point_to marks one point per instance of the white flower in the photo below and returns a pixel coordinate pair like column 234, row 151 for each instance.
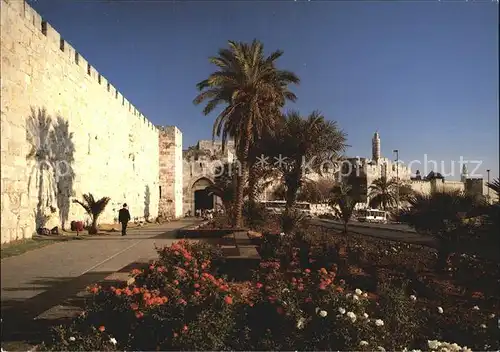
column 351, row 316
column 355, row 298
column 285, row 290
column 379, row 322
column 440, row 310
column 433, row 344
column 365, row 294
column 282, row 234
column 381, row 349
column 317, row 310
column 413, row 297
column 492, row 315
column 348, row 295
column 113, row 340
column 341, row 310
column 72, row 338
column 300, row 323
column 475, row 308
column 358, row 292
column 323, row 313
column 482, row 326
column 365, row 315
column 363, row 343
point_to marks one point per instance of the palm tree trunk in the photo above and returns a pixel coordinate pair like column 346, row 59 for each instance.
column 242, row 175
column 252, row 184
column 293, row 182
column 93, row 227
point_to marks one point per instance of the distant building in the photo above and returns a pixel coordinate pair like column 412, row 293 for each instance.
column 201, row 160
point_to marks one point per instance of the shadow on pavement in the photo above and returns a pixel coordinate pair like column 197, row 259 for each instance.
column 58, row 304
column 18, row 316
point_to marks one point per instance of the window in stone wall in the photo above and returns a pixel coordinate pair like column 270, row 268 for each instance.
column 160, row 192
column 77, row 58
column 44, row 27
column 88, row 69
column 61, row 44
column 116, row 94
column 99, row 78
column 109, row 87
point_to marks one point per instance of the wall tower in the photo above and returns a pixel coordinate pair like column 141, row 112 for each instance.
column 376, row 147
column 465, row 174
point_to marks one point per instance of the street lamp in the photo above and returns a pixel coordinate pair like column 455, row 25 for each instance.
column 488, row 194
column 397, row 176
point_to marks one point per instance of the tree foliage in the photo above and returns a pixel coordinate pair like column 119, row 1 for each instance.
column 343, row 201
column 306, row 145
column 252, row 91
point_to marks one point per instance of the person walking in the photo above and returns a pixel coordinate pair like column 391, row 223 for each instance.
column 124, row 218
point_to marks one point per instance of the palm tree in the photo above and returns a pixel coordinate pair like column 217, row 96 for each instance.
column 495, row 187
column 252, row 91
column 443, row 215
column 383, row 192
column 343, row 201
column 304, row 145
column 94, row 208
column 224, row 187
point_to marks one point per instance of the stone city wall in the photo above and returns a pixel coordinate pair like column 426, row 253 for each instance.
column 58, row 111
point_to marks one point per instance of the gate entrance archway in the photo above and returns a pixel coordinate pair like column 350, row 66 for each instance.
column 201, row 199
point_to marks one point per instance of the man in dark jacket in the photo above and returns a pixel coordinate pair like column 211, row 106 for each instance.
column 124, row 218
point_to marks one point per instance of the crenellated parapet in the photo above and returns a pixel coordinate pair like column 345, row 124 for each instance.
column 50, row 38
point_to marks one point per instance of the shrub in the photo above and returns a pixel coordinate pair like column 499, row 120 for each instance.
column 255, row 215
column 291, row 219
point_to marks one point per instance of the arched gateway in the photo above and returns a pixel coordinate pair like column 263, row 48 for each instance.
column 201, row 198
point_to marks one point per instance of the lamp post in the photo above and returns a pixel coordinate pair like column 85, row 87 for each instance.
column 397, row 176
column 488, row 194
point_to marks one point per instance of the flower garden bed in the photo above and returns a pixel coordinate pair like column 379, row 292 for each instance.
column 305, row 294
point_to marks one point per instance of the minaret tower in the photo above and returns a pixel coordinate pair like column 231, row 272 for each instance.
column 376, row 147
column 465, row 174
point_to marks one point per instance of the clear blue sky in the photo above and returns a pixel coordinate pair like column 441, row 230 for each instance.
column 422, row 73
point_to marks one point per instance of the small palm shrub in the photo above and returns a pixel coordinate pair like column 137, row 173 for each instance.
column 291, row 219
column 94, row 208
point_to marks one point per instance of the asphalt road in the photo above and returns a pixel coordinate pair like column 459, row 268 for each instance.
column 393, row 232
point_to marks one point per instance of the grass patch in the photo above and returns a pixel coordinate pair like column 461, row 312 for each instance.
column 19, row 247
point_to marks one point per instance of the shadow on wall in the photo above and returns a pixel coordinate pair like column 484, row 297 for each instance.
column 52, row 150
column 147, row 202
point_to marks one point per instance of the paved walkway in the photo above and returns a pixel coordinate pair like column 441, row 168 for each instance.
column 36, row 281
